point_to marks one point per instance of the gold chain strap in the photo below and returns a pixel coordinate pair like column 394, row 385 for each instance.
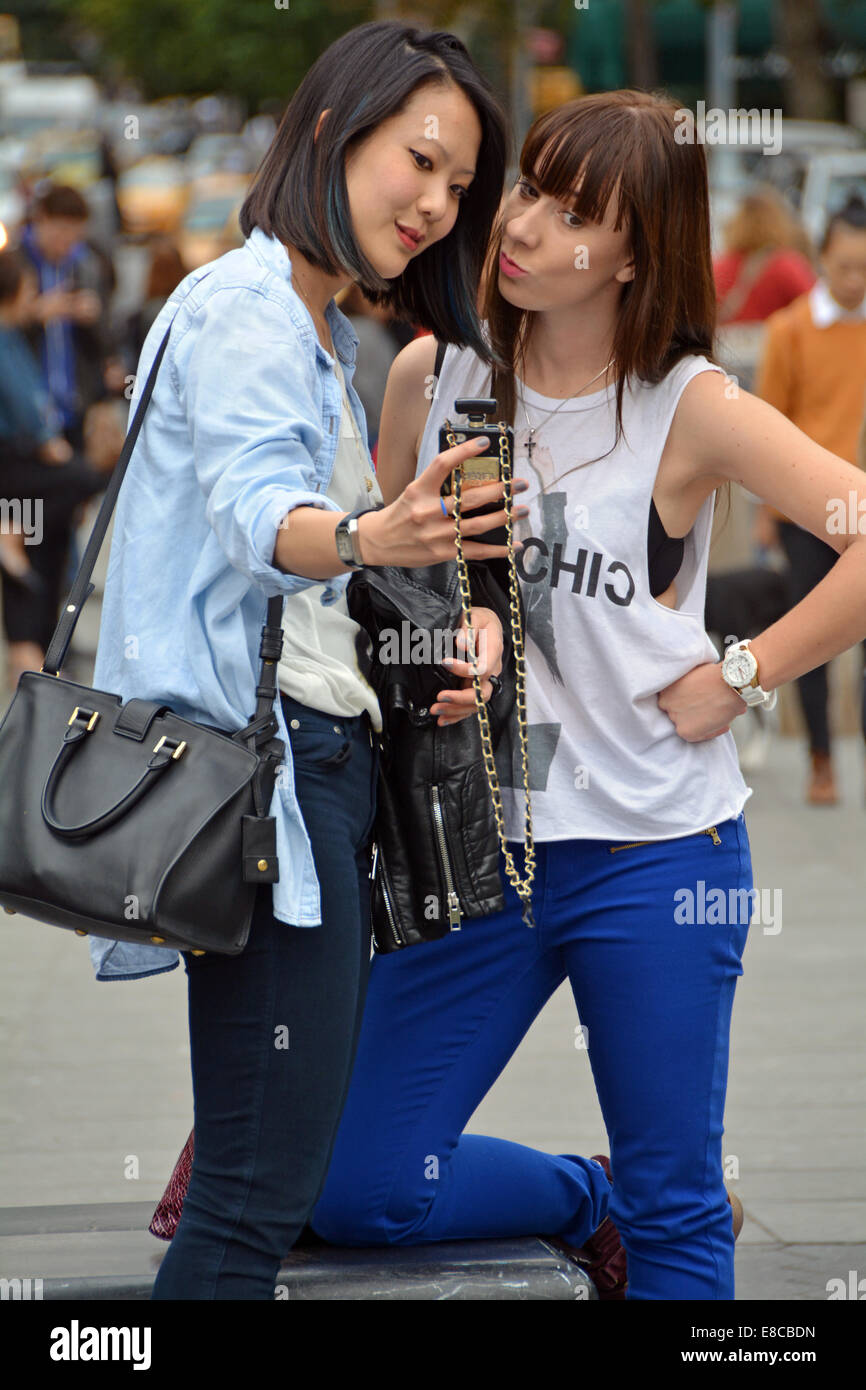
column 523, row 888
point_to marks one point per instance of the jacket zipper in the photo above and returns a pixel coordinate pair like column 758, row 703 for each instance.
column 399, row 940
column 711, row 830
column 451, row 896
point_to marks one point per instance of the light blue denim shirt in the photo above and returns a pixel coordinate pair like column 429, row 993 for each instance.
column 242, row 426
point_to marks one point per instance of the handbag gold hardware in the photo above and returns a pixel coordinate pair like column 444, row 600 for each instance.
column 177, row 752
column 523, row 887
column 199, row 953
column 79, row 931
column 158, row 940
column 262, row 864
column 91, row 721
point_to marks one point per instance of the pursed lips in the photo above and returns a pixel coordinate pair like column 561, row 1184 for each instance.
column 416, row 236
column 513, row 262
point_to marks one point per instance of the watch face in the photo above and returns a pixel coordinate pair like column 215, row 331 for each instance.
column 344, row 545
column 740, row 667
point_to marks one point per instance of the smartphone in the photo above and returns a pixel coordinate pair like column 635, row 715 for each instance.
column 483, row 469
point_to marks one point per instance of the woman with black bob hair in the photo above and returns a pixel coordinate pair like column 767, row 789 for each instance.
column 300, row 193
column 251, row 455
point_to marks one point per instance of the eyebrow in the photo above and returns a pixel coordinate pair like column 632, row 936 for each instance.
column 445, row 155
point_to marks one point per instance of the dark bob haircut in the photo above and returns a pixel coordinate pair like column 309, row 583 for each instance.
column 299, row 192
column 852, row 215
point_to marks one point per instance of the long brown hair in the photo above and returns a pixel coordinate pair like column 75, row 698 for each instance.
column 764, row 219
column 627, row 145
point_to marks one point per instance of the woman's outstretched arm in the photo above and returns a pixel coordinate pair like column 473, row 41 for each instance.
column 747, row 441
column 742, row 439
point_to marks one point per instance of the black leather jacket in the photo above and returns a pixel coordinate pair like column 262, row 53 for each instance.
column 436, row 857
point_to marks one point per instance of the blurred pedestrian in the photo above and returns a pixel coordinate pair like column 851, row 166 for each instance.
column 165, row 272
column 42, row 482
column 69, row 332
column 814, row 371
column 764, row 266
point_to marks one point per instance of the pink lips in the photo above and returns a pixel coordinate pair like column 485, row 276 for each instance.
column 409, row 236
column 510, row 267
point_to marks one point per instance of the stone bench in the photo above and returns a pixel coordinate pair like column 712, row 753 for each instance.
column 105, row 1251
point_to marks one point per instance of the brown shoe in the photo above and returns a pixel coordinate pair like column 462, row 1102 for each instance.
column 736, row 1212
column 822, row 784
column 602, row 1256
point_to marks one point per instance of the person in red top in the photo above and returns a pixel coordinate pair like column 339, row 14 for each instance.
column 763, row 267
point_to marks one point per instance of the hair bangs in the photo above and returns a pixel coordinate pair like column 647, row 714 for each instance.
column 570, row 158
column 622, row 145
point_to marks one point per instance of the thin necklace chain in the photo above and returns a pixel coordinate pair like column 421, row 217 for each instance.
column 534, row 430
column 551, row 413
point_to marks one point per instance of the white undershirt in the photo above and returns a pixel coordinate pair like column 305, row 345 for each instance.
column 319, row 664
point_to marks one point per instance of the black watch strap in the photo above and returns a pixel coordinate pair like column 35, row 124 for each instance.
column 346, row 546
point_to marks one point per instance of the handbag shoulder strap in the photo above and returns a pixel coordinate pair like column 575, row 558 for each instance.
column 81, row 586
column 260, row 726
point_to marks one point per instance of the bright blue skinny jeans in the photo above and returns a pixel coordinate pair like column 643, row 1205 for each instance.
column 654, row 993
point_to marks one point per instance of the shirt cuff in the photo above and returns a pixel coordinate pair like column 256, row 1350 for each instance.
column 276, row 582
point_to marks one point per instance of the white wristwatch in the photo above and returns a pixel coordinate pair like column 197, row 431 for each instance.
column 740, row 672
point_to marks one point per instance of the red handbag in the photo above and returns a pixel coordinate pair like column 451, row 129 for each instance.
column 164, row 1220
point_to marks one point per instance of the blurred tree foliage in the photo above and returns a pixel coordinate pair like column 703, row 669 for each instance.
column 254, row 49
column 42, row 30
column 257, row 50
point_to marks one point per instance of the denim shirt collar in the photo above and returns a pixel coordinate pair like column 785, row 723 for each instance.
column 271, row 253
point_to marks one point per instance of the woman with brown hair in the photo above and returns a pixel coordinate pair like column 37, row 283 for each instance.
column 600, row 299
column 765, row 264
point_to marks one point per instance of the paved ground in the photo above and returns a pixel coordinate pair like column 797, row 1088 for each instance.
column 96, row 1099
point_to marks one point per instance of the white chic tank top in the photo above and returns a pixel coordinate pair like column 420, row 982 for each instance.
column 605, row 761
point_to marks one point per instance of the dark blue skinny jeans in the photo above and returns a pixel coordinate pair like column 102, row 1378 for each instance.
column 273, row 1034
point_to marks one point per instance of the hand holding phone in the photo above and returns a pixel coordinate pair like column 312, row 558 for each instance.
column 486, row 467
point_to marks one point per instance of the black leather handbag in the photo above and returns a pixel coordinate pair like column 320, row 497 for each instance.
column 436, row 859
column 127, row 821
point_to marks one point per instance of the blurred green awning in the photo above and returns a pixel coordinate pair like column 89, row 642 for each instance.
column 596, row 46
